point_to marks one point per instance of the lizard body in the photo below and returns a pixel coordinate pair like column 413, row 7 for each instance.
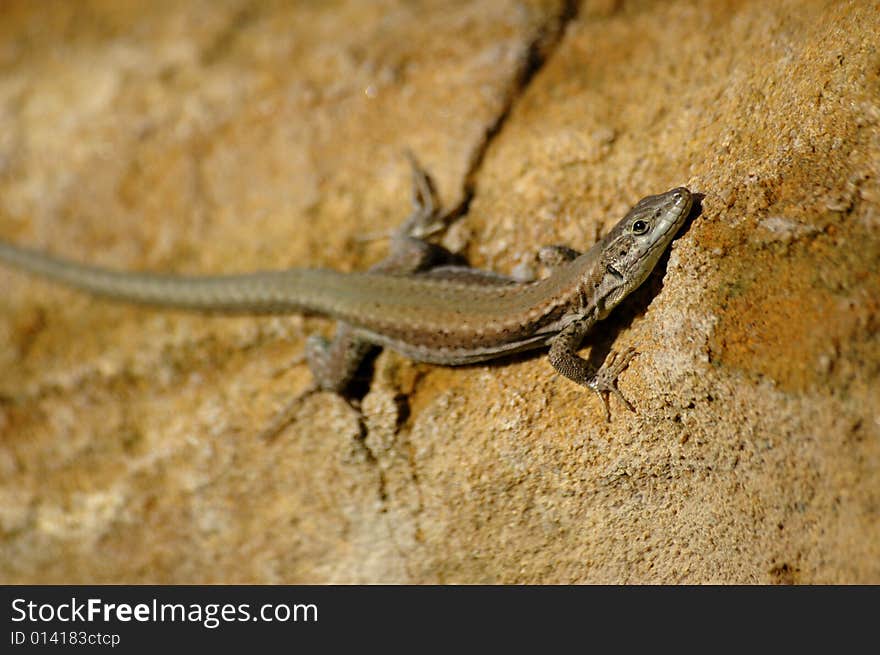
column 443, row 315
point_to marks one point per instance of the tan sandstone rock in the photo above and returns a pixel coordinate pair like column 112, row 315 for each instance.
column 231, row 136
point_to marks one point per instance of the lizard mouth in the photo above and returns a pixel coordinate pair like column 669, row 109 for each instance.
column 681, row 207
column 613, row 271
column 672, row 218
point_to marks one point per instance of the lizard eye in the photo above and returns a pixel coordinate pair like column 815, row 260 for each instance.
column 640, row 227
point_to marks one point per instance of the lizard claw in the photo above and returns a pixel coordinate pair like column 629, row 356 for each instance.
column 604, row 382
column 425, row 219
column 286, row 416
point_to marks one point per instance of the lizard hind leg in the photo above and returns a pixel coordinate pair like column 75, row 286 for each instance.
column 334, row 363
column 426, row 217
column 409, row 251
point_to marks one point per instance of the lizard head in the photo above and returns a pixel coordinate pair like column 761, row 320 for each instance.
column 632, row 248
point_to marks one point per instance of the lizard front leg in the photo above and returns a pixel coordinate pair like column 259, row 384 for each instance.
column 564, row 358
column 550, row 257
column 555, row 256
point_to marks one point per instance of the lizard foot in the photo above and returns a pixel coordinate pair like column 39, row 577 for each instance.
column 604, row 382
column 333, row 365
column 286, row 416
column 426, row 218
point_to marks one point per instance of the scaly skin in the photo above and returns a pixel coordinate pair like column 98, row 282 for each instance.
column 442, row 315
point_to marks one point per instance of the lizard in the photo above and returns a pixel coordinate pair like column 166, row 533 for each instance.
column 430, row 312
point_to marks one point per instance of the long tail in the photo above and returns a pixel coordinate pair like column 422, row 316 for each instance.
column 294, row 290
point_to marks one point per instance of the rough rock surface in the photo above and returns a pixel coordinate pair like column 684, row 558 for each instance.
column 235, row 135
